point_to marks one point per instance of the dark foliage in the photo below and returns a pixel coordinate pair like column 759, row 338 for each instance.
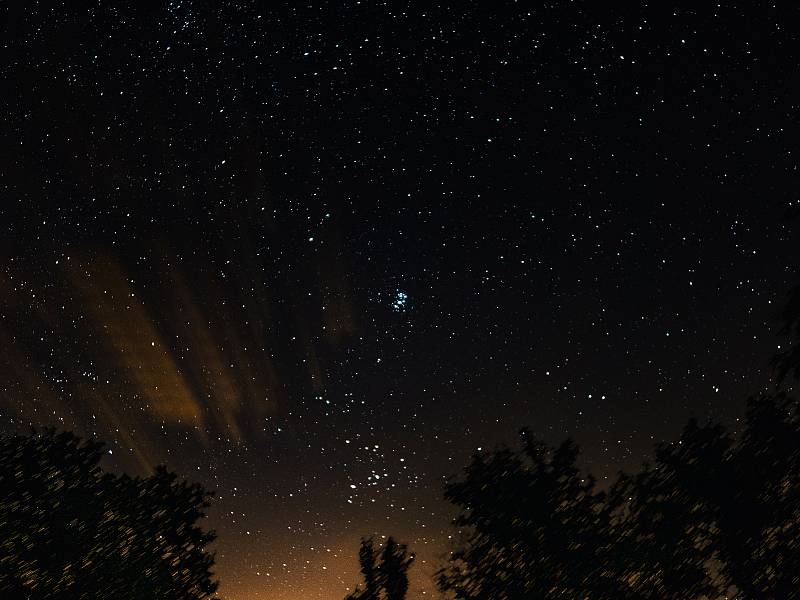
column 759, row 513
column 69, row 530
column 714, row 516
column 535, row 527
column 665, row 518
column 385, row 572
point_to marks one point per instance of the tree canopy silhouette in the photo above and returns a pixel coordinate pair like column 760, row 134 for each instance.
column 385, row 572
column 715, row 515
column 533, row 527
column 665, row 518
column 70, row 530
column 759, row 513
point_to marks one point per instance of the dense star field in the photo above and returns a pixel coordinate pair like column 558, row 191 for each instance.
column 315, row 257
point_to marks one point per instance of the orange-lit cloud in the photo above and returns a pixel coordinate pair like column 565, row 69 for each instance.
column 126, row 331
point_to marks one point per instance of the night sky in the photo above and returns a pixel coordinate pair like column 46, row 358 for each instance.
column 315, row 257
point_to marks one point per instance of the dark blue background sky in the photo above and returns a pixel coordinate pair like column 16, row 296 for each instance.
column 314, row 257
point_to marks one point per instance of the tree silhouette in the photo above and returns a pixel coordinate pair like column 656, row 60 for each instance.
column 69, row 530
column 664, row 519
column 715, row 515
column 385, row 574
column 533, row 528
column 759, row 515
